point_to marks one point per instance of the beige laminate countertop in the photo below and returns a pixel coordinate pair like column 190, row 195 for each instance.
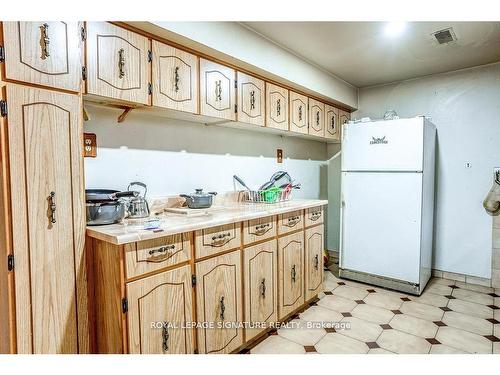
column 132, row 230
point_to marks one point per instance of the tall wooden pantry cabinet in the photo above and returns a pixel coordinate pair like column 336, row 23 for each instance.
column 43, row 294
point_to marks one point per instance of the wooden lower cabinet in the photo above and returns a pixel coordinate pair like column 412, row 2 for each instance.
column 219, row 303
column 159, row 308
column 291, row 273
column 314, row 244
column 260, row 285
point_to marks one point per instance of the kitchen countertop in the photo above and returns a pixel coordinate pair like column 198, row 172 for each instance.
column 171, row 223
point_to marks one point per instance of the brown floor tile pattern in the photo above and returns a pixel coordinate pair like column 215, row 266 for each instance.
column 429, row 310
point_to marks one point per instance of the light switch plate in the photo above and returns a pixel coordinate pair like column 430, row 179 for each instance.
column 89, row 145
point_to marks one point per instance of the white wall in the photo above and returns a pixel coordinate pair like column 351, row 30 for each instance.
column 244, row 47
column 465, row 107
column 174, row 157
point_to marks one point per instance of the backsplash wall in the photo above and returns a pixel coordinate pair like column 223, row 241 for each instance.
column 173, row 156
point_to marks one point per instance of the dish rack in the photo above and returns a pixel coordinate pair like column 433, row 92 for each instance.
column 271, row 195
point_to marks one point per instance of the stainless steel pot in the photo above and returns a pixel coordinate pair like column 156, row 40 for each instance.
column 199, row 199
column 105, row 206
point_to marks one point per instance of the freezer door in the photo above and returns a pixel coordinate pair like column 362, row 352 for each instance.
column 381, row 221
column 395, row 145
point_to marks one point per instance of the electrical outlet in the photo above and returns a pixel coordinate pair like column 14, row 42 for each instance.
column 89, row 145
column 279, row 155
column 468, row 165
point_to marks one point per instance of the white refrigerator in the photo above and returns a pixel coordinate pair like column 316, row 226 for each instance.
column 387, row 203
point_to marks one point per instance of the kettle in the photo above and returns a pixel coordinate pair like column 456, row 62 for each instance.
column 138, row 206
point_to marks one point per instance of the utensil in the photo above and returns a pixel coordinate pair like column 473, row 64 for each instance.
column 199, row 199
column 138, row 206
column 241, row 182
column 277, row 176
column 106, row 206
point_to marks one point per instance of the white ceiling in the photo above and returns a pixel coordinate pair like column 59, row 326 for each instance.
column 362, row 54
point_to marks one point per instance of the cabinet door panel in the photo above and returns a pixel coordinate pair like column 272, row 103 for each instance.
column 316, row 118
column 251, row 98
column 219, row 301
column 332, row 125
column 159, row 308
column 117, row 63
column 45, row 160
column 44, row 53
column 175, row 78
column 344, row 117
column 261, row 285
column 298, row 113
column 217, row 92
column 276, row 107
column 314, row 238
column 291, row 273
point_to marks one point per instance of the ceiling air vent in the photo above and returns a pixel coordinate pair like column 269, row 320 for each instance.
column 445, row 36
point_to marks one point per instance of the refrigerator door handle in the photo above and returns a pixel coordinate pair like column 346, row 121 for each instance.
column 342, row 228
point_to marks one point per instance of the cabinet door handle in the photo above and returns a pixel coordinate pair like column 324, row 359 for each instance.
column 165, row 336
column 45, row 40
column 300, row 113
column 222, row 308
column 316, row 262
column 294, row 273
column 317, row 118
column 218, row 90
column 333, row 122
column 252, row 99
column 52, row 207
column 278, row 107
column 121, row 63
column 176, row 78
column 162, row 249
column 263, row 288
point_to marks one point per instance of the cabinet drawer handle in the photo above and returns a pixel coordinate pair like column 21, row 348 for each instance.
column 263, row 288
column 45, row 40
column 278, row 107
column 121, row 63
column 162, row 249
column 316, row 262
column 300, row 113
column 315, row 215
column 252, row 99
column 218, row 90
column 52, row 207
column 292, row 221
column 165, row 336
column 222, row 308
column 221, row 236
column 294, row 273
column 176, row 79
column 262, row 228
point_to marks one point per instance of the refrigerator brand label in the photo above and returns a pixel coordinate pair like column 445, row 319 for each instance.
column 378, row 141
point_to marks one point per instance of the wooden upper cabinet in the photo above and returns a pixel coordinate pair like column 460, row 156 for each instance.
column 276, row 107
column 159, row 307
column 217, row 91
column 260, row 268
column 219, row 302
column 316, row 118
column 332, row 124
column 117, row 63
column 175, row 78
column 298, row 113
column 251, row 99
column 315, row 243
column 291, row 273
column 344, row 117
column 44, row 53
column 46, row 184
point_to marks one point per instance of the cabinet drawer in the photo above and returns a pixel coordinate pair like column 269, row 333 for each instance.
column 259, row 229
column 314, row 215
column 214, row 240
column 151, row 255
column 290, row 221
